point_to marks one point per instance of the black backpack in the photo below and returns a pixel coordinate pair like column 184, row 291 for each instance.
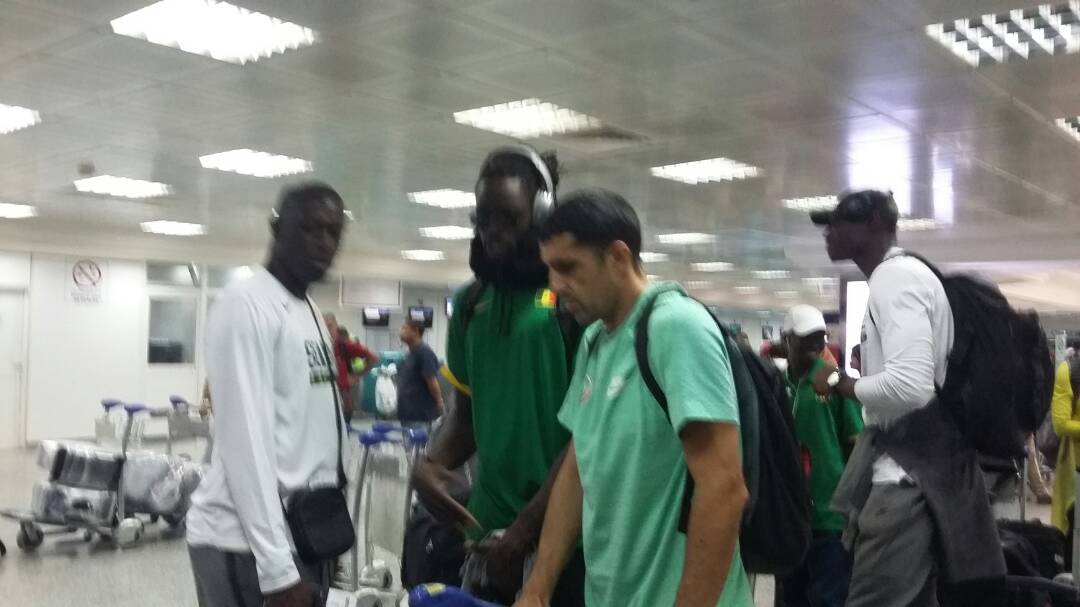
column 1000, row 375
column 775, row 534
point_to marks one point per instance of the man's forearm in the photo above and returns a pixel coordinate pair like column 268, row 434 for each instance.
column 710, row 543
column 561, row 529
column 456, row 443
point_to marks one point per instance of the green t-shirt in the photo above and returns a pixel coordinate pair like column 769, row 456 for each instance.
column 511, row 359
column 630, row 457
column 823, row 425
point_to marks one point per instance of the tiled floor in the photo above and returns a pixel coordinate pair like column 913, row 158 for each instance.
column 155, row 572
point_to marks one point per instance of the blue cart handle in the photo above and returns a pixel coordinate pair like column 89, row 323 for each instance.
column 177, row 401
column 134, row 408
column 109, row 403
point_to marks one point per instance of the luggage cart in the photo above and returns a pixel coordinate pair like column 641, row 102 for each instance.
column 370, row 578
column 185, row 426
column 84, row 489
column 87, row 488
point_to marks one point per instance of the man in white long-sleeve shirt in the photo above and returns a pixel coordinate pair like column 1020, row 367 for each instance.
column 906, row 337
column 269, row 361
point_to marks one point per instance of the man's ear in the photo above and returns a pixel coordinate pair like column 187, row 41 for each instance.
column 621, row 253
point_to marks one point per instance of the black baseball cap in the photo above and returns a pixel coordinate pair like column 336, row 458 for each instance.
column 860, row 207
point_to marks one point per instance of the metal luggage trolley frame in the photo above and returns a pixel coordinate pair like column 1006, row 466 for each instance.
column 183, row 426
column 124, row 530
column 373, row 582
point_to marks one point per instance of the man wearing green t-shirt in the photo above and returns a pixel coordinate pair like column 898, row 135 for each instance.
column 826, row 428
column 509, row 359
column 621, row 486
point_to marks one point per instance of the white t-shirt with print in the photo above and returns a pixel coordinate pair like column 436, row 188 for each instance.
column 271, row 377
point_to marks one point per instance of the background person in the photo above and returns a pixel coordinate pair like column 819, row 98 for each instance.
column 420, row 399
column 826, row 428
column 348, row 355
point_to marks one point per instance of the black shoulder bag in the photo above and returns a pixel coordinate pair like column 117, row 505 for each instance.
column 319, row 518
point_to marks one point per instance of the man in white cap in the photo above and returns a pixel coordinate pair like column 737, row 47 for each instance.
column 826, row 428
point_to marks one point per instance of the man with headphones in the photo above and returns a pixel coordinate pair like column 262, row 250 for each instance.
column 509, row 352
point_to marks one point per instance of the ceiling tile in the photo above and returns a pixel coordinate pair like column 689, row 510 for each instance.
column 553, row 19
column 434, row 39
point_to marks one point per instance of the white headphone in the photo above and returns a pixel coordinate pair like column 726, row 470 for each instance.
column 544, row 201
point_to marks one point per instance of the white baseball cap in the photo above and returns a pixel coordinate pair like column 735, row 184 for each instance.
column 802, row 320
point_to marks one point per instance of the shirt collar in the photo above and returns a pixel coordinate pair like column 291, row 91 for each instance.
column 277, row 290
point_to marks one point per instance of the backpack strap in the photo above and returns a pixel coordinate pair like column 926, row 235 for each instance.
column 641, row 351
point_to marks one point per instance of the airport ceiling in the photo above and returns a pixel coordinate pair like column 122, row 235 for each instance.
column 813, row 96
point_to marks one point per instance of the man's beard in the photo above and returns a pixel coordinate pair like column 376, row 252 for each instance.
column 523, row 269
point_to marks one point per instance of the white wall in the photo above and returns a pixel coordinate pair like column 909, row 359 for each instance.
column 81, row 353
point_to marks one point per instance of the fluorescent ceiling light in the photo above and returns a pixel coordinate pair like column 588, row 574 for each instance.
column 218, row 30
column 772, row 274
column 821, row 281
column 713, row 266
column 702, row 171
column 809, row 204
column 14, row 118
column 526, row 118
column 649, row 257
column 912, row 224
column 686, row 238
column 747, row 290
column 447, row 233
column 10, row 210
column 173, row 228
column 444, row 199
column 697, row 285
column 123, row 187
column 1015, row 34
column 787, row 294
column 348, row 215
column 653, row 277
column 254, row 163
column 423, row 255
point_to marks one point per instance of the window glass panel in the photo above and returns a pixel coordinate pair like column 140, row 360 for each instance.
column 172, row 330
column 176, row 274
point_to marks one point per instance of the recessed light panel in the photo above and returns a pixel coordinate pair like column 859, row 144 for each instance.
column 713, row 266
column 173, row 228
column 10, row 210
column 1018, row 34
column 686, row 238
column 218, row 30
column 698, row 285
column 810, row 204
column 447, row 233
column 772, row 274
column 747, row 290
column 423, row 255
column 527, row 118
column 14, row 118
column 444, row 199
column 255, row 163
column 122, row 187
column 787, row 294
column 650, row 257
column 703, row 171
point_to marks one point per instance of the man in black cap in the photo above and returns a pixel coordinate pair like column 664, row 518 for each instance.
column 902, row 520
